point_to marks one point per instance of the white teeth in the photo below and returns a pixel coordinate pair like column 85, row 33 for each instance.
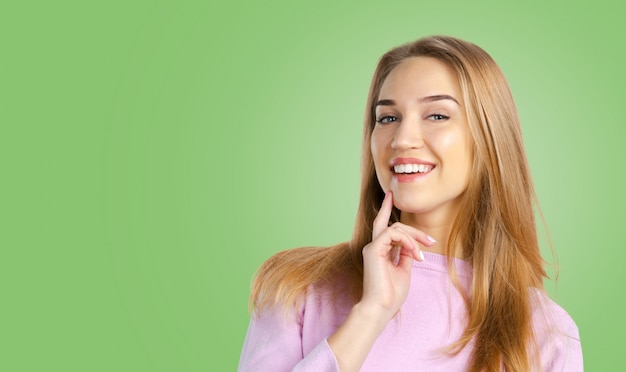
column 412, row 168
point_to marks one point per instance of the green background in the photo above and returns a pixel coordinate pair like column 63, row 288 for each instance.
column 155, row 153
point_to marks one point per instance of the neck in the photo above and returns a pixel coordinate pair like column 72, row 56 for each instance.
column 437, row 226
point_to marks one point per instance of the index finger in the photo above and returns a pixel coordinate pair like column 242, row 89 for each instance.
column 381, row 222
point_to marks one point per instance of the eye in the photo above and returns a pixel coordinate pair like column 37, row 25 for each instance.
column 386, row 119
column 438, row 117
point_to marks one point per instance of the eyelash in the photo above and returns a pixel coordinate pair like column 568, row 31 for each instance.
column 441, row 117
column 386, row 119
column 390, row 118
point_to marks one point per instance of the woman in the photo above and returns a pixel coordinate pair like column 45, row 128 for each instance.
column 444, row 270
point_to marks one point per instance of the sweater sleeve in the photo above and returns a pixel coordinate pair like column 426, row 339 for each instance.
column 275, row 344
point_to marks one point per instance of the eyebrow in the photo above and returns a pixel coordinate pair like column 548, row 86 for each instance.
column 437, row 97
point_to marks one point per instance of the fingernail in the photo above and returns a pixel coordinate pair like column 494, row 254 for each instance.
column 422, row 256
column 431, row 239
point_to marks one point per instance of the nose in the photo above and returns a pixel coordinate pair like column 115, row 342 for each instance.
column 407, row 135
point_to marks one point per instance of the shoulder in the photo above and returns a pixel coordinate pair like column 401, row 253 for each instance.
column 300, row 267
column 289, row 267
column 287, row 277
column 550, row 316
column 556, row 335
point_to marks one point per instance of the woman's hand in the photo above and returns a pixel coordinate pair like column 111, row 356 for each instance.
column 387, row 262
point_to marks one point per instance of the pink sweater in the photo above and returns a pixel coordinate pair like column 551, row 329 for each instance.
column 431, row 318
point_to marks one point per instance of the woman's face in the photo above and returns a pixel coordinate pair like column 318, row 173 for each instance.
column 421, row 143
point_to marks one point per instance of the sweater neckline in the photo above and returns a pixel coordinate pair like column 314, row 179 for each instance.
column 439, row 262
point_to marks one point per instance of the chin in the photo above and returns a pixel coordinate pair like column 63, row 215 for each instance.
column 412, row 206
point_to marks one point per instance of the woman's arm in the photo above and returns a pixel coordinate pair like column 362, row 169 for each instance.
column 276, row 344
column 387, row 262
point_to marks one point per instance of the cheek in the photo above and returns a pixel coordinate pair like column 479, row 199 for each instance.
column 448, row 140
column 456, row 146
column 376, row 145
column 377, row 148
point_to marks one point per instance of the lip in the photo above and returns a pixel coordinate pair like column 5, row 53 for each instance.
column 409, row 177
column 398, row 161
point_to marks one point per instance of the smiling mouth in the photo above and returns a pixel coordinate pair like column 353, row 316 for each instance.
column 411, row 168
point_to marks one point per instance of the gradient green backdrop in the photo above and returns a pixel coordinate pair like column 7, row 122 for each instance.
column 154, row 153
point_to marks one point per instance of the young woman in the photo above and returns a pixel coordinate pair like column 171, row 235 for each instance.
column 444, row 271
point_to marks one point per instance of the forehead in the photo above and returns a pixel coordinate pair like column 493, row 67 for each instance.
column 420, row 77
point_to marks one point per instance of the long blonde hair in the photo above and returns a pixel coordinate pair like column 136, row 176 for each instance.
column 495, row 226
